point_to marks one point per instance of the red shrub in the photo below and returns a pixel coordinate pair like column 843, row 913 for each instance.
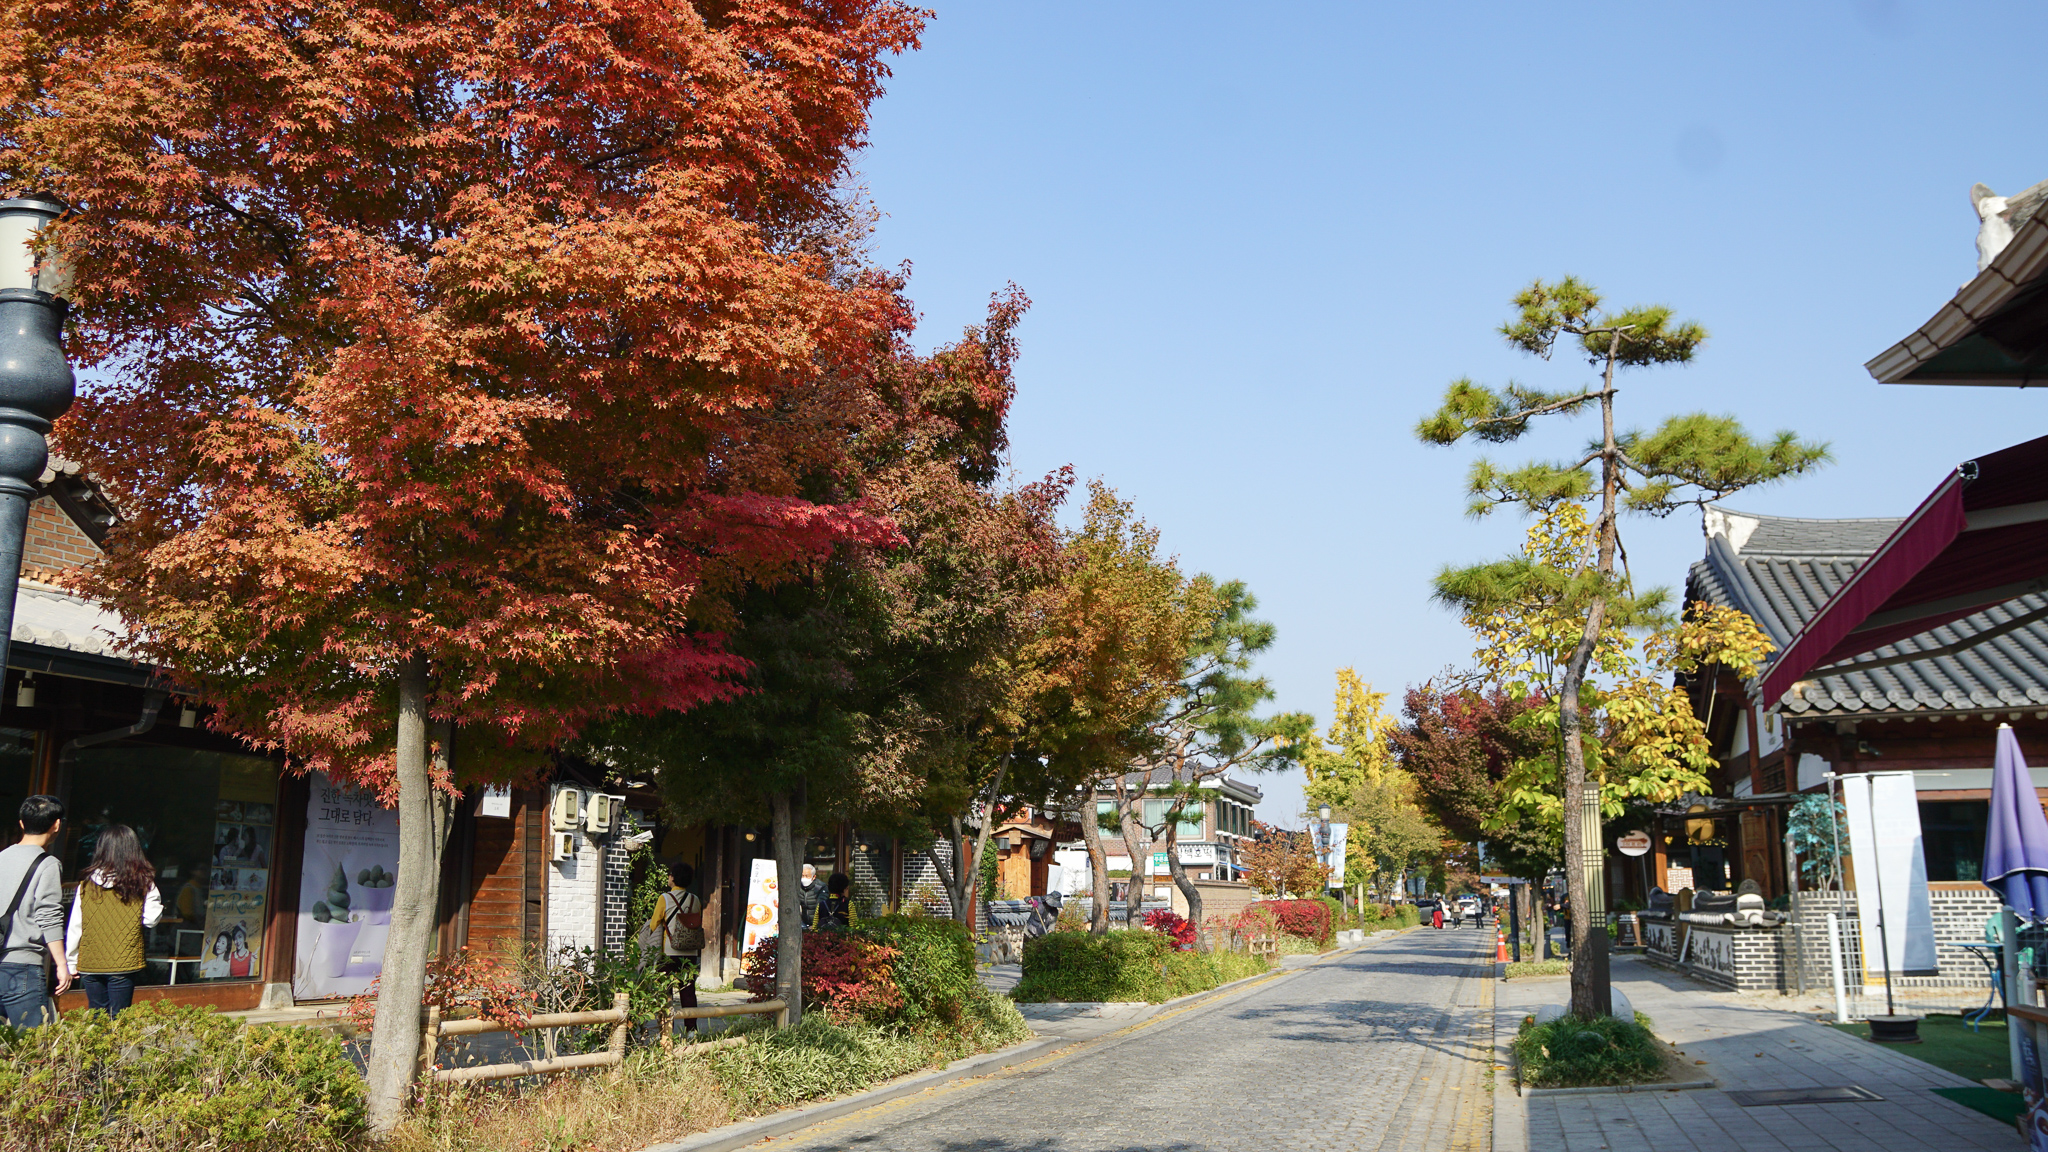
column 1308, row 919
column 465, row 980
column 849, row 977
column 1169, row 923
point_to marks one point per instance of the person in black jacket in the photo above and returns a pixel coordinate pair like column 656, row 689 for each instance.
column 837, row 910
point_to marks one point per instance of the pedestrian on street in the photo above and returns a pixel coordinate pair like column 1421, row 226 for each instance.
column 1436, row 916
column 810, row 896
column 679, row 917
column 33, row 922
column 837, row 911
column 110, row 908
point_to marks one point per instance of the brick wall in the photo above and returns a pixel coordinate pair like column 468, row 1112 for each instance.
column 921, row 880
column 618, row 891
column 54, row 543
column 1748, row 959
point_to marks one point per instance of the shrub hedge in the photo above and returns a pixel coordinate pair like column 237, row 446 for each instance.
column 1308, row 919
column 176, row 1079
column 898, row 969
column 1572, row 1053
column 1123, row 966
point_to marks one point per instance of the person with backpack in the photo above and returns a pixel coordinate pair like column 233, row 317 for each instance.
column 679, row 919
column 837, row 910
column 109, row 909
column 32, row 927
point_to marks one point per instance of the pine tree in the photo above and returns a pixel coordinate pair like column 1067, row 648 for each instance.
column 1688, row 459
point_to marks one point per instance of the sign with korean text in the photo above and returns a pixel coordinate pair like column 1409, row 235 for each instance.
column 1633, row 844
column 346, row 880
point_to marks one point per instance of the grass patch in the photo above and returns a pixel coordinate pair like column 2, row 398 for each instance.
column 1948, row 1042
column 1573, row 1053
column 1525, row 969
column 1286, row 945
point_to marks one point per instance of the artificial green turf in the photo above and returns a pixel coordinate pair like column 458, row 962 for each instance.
column 1949, row 1042
column 2004, row 1107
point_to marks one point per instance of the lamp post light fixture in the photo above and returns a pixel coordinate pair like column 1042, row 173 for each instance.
column 36, row 385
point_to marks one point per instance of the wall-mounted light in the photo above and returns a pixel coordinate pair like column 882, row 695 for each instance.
column 25, row 692
column 188, row 716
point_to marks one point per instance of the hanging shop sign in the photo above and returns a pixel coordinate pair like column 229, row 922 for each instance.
column 1633, row 844
column 1196, row 853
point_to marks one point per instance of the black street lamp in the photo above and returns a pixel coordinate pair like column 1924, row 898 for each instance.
column 36, row 385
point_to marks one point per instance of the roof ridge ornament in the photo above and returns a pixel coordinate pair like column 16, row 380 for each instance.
column 1999, row 215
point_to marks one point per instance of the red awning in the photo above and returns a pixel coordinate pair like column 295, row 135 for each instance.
column 1980, row 539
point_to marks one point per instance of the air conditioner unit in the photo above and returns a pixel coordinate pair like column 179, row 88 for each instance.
column 568, row 810
column 563, row 845
column 603, row 813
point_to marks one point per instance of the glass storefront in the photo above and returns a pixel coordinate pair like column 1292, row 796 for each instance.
column 17, row 777
column 207, row 821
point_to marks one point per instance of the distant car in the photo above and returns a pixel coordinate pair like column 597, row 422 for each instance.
column 1468, row 907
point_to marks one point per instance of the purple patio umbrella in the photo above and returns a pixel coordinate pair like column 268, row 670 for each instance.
column 2016, row 838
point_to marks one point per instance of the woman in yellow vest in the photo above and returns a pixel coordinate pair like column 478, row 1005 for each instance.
column 115, row 901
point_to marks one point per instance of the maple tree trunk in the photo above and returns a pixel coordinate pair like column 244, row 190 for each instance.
column 1098, row 867
column 789, row 917
column 953, row 877
column 401, row 988
column 988, row 827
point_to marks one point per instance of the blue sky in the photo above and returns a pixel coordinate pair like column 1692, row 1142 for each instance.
column 1261, row 238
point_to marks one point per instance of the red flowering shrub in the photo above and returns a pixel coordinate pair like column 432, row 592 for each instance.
column 464, row 980
column 1167, row 922
column 1308, row 919
column 850, row 977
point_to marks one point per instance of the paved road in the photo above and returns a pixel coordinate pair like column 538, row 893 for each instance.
column 1386, row 1048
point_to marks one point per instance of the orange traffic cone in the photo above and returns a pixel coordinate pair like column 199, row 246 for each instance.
column 1500, row 945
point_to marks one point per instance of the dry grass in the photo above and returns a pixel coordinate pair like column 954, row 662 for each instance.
column 654, row 1098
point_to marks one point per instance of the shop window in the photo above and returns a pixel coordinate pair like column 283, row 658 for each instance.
column 17, row 777
column 1190, row 821
column 207, row 821
column 1952, row 838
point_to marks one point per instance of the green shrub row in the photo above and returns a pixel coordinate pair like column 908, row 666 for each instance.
column 174, row 1079
column 1122, row 966
column 1572, row 1053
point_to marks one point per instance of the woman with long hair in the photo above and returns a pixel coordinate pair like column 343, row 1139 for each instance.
column 115, row 901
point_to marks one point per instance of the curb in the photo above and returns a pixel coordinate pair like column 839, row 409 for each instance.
column 748, row 1131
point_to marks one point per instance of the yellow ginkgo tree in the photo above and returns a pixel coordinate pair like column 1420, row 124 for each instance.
column 1352, row 768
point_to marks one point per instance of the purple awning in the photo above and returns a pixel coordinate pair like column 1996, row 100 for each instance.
column 1981, row 538
column 2016, row 835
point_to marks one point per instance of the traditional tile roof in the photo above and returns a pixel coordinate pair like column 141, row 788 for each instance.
column 1780, row 570
column 54, row 618
column 1229, row 786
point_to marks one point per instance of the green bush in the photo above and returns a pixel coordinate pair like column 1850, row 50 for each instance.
column 174, row 1079
column 1521, row 968
column 1571, row 1053
column 1405, row 916
column 1122, row 966
column 934, row 966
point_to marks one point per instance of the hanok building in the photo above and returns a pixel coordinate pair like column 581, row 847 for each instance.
column 1929, row 703
column 1209, row 838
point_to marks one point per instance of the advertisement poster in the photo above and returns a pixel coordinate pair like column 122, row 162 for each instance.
column 234, row 936
column 345, row 889
column 761, row 905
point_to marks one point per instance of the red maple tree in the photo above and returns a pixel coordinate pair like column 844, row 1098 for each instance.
column 442, row 355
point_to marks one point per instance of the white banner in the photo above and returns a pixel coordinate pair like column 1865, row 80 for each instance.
column 1884, row 844
column 761, row 906
column 346, row 880
column 1338, row 834
column 1196, row 853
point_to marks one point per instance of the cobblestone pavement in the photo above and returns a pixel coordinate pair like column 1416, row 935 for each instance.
column 1383, row 1048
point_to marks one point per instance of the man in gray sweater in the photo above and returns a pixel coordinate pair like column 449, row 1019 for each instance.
column 37, row 925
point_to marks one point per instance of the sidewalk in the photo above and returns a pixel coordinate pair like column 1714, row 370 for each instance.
column 1745, row 1047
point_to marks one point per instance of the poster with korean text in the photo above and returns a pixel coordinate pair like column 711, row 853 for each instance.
column 345, row 890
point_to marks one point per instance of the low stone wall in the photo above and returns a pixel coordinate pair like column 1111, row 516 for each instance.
column 1745, row 959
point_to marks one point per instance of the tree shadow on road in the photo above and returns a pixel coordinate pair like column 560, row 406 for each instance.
column 998, row 1143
